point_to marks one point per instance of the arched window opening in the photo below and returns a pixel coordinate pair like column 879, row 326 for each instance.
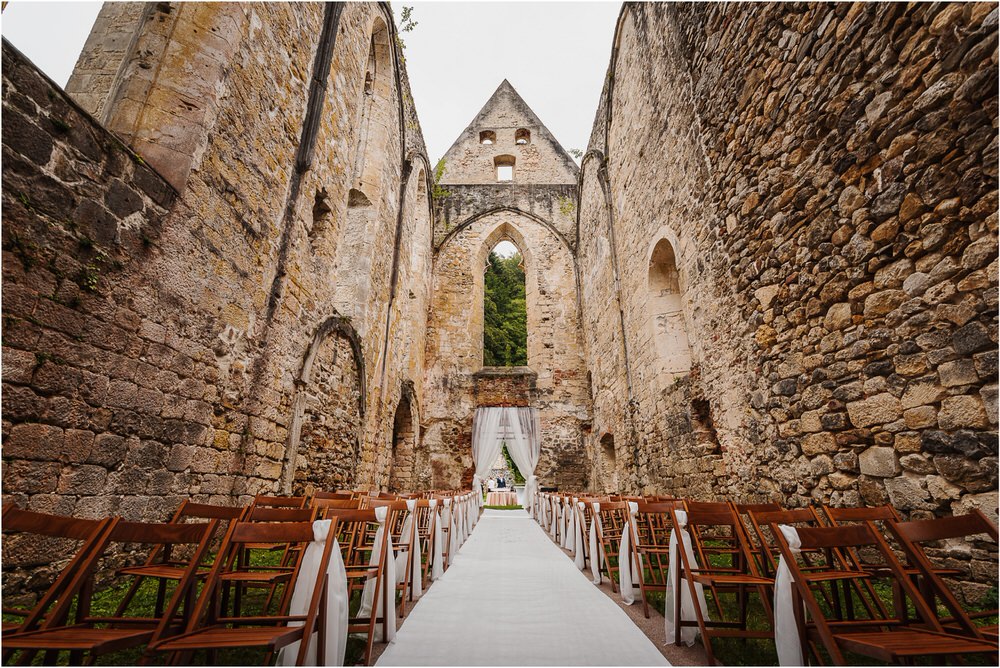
column 371, row 70
column 505, row 315
column 487, row 137
column 522, row 137
column 666, row 310
column 402, row 464
column 608, row 463
column 505, row 167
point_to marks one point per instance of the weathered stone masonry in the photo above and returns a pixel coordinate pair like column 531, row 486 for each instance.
column 229, row 266
column 826, row 177
column 174, row 318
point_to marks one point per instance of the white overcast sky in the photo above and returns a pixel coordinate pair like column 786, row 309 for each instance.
column 554, row 53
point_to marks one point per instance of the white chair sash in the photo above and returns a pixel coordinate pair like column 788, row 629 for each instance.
column 386, row 606
column 580, row 559
column 628, row 569
column 595, row 560
column 412, row 556
column 448, row 512
column 688, row 633
column 563, row 511
column 553, row 516
column 787, row 638
column 530, row 491
column 571, row 525
column 437, row 558
column 335, row 609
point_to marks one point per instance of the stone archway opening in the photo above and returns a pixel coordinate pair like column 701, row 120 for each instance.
column 666, row 311
column 608, row 463
column 403, row 472
column 505, row 314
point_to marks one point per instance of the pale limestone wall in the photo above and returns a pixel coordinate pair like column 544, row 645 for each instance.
column 829, row 188
column 558, row 385
column 542, row 160
column 199, row 339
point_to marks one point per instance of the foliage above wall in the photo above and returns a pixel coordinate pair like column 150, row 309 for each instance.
column 505, row 325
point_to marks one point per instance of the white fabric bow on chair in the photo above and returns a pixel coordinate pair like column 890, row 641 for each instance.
column 386, row 607
column 787, row 638
column 571, row 525
column 580, row 559
column 595, row 558
column 563, row 511
column 437, row 558
column 335, row 611
column 688, row 633
column 554, row 516
column 628, row 569
column 449, row 511
column 412, row 555
column 530, row 493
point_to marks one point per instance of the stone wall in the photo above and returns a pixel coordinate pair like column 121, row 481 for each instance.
column 826, row 176
column 198, row 334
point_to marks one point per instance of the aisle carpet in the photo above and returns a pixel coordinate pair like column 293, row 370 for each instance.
column 513, row 598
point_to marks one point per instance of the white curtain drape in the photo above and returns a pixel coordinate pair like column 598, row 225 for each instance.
column 525, row 446
column 786, row 628
column 486, row 445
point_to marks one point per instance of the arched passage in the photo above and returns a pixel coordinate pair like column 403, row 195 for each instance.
column 608, row 464
column 327, row 412
column 666, row 311
column 404, row 469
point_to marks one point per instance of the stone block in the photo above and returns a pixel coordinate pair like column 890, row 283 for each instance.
column 920, row 418
column 906, row 494
column 816, row 444
column 958, row 372
column 878, row 462
column 876, row 410
column 964, row 411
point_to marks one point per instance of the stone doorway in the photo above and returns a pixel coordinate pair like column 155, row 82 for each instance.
column 403, row 464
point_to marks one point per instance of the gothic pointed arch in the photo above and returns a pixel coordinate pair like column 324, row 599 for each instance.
column 324, row 435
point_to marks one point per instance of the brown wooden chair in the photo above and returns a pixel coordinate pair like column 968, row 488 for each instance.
column 427, row 518
column 916, row 537
column 612, row 517
column 650, row 545
column 265, row 501
column 402, row 549
column 356, row 534
column 885, row 638
column 213, row 627
column 332, row 496
column 94, row 636
column 33, row 538
column 164, row 566
column 723, row 564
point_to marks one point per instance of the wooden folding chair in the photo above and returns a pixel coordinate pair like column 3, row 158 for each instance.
column 317, row 496
column 915, row 536
column 847, row 629
column 650, row 545
column 400, row 547
column 163, row 566
column 723, row 564
column 612, row 517
column 94, row 636
column 356, row 533
column 214, row 627
column 427, row 518
column 35, row 538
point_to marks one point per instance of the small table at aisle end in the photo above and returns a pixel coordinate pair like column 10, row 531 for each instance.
column 501, row 499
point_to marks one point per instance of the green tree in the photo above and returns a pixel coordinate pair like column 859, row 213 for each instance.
column 505, row 316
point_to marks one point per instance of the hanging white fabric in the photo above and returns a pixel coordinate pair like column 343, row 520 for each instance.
column 487, row 443
column 595, row 561
column 571, row 525
column 524, row 446
column 411, row 558
column 437, row 558
column 786, row 629
column 688, row 614
column 580, row 559
column 386, row 606
column 334, row 606
column 448, row 514
column 628, row 569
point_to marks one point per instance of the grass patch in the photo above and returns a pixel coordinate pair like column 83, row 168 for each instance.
column 514, row 507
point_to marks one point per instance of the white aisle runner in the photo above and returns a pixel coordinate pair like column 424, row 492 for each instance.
column 513, row 598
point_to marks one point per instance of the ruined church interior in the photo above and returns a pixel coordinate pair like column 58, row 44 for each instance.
column 280, row 388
